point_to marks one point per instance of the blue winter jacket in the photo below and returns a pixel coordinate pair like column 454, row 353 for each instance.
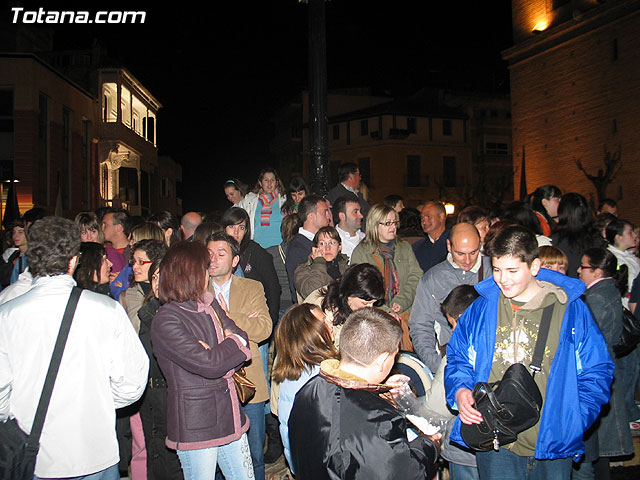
column 580, row 375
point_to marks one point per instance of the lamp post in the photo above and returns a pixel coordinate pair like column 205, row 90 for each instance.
column 318, row 122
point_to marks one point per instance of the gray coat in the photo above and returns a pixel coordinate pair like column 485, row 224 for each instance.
column 614, row 435
column 433, row 288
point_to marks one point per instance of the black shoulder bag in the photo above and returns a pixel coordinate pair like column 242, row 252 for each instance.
column 511, row 405
column 18, row 451
column 630, row 336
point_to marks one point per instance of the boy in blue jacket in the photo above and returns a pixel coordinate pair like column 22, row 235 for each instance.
column 500, row 329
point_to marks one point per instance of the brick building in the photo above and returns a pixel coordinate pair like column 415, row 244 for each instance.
column 435, row 144
column 575, row 93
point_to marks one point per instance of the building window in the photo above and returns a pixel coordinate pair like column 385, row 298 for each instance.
column 151, row 129
column 364, row 165
column 128, row 185
column 413, row 170
column 125, row 105
column 411, row 125
column 109, row 103
column 446, row 127
column 449, row 171
column 164, row 187
column 364, row 127
column 336, row 132
column 495, row 148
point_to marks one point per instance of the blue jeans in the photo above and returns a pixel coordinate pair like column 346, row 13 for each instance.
column 462, row 472
column 234, row 460
column 505, row 465
column 255, row 436
column 264, row 356
column 110, row 473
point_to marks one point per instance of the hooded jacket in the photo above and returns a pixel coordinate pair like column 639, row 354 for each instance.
column 580, row 375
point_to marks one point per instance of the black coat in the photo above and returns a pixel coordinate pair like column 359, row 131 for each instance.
column 257, row 264
column 345, row 433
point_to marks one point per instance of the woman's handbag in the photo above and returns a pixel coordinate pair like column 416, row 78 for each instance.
column 246, row 388
column 18, row 451
column 630, row 336
column 511, row 405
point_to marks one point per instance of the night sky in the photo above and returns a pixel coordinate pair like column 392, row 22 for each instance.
column 222, row 71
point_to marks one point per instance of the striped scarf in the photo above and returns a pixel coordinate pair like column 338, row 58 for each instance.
column 266, row 200
column 391, row 281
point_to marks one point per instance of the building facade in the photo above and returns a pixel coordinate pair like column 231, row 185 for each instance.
column 436, row 144
column 575, row 96
column 79, row 136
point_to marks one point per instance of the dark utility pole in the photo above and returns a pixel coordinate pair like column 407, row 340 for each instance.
column 318, row 124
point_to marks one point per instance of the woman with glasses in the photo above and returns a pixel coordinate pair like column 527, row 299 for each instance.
column 143, row 254
column 393, row 257
column 326, row 263
column 606, row 281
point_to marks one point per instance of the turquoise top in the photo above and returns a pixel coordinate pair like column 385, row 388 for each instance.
column 268, row 236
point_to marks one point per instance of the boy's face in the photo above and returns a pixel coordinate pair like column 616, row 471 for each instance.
column 515, row 278
column 452, row 321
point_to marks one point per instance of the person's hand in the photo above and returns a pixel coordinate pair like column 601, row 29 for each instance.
column 316, row 252
column 468, row 414
column 395, row 308
column 436, row 439
column 398, row 382
column 223, row 304
column 205, row 345
column 443, row 350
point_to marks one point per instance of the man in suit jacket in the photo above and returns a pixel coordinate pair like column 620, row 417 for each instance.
column 245, row 303
column 350, row 179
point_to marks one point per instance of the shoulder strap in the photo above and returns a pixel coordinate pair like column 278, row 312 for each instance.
column 43, row 405
column 543, row 333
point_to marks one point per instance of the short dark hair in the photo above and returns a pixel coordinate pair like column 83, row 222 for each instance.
column 458, row 300
column 606, row 261
column 329, row 231
column 473, row 214
column 345, row 170
column 52, row 243
column 607, row 201
column 223, row 237
column 121, row 217
column 204, row 230
column 392, row 200
column 515, row 241
column 183, row 272
column 368, row 333
column 340, row 205
column 154, row 249
column 36, row 213
column 308, row 205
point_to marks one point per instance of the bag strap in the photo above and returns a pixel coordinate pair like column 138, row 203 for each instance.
column 543, row 334
column 33, row 445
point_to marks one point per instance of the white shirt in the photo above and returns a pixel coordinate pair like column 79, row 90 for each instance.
column 306, row 233
column 223, row 289
column 104, row 367
column 627, row 258
column 349, row 243
column 17, row 288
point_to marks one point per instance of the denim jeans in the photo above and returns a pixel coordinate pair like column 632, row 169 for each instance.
column 462, row 472
column 255, row 436
column 234, row 460
column 505, row 465
column 263, row 348
column 110, row 473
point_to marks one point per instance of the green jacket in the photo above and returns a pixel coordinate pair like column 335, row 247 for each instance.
column 409, row 271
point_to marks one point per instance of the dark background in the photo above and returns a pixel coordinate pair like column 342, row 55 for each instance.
column 222, row 70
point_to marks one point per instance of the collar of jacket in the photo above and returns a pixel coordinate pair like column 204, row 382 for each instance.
column 572, row 286
column 331, row 373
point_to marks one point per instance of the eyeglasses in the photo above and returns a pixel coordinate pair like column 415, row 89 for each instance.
column 139, row 262
column 330, row 243
column 389, row 224
column 585, row 267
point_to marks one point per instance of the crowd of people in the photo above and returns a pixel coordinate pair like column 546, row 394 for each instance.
column 309, row 299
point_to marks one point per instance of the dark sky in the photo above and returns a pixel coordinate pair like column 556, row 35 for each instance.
column 222, row 70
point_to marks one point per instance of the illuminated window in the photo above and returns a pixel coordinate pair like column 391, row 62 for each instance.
column 125, row 106
column 109, row 103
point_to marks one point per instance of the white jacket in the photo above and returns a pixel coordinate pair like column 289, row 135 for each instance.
column 104, row 367
column 250, row 203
